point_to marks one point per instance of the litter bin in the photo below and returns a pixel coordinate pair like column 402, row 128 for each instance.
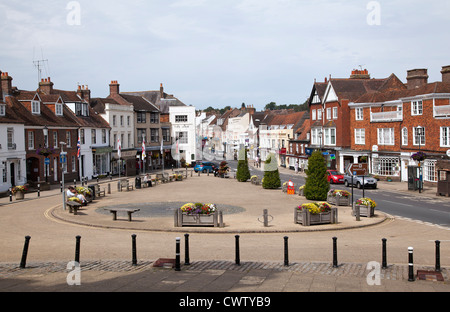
column 92, row 188
column 137, row 183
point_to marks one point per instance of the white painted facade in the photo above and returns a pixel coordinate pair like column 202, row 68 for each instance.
column 183, row 122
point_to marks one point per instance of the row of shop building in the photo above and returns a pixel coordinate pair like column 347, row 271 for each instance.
column 52, row 134
column 381, row 122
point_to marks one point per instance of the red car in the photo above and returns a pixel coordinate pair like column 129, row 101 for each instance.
column 335, row 177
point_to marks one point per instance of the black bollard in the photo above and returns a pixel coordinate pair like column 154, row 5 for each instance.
column 77, row 249
column 237, row 251
column 133, row 249
column 10, row 194
column 383, row 259
column 286, row 252
column 23, row 262
column 410, row 264
column 335, row 262
column 438, row 256
column 177, row 254
column 186, row 249
column 39, row 190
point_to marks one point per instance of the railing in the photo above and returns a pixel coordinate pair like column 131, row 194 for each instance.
column 386, row 116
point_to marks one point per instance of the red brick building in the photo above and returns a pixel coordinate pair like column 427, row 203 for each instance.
column 391, row 124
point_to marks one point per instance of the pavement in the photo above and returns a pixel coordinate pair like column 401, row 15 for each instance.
column 106, row 256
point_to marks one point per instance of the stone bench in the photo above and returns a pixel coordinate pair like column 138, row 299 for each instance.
column 99, row 192
column 124, row 183
column 129, row 212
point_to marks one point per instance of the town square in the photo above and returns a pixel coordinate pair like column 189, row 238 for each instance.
column 191, row 147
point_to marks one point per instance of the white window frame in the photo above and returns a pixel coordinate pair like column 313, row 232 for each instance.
column 58, row 109
column 55, row 139
column 181, row 118
column 315, row 136
column 313, row 114
column 386, row 136
column 329, row 136
column 335, row 113
column 68, row 139
column 416, row 108
column 30, row 140
column 328, row 113
column 422, row 136
column 405, row 136
column 319, row 114
column 359, row 113
column 360, row 136
column 445, row 137
column 35, row 107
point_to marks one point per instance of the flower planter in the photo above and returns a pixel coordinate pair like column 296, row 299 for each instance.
column 183, row 219
column 19, row 195
column 364, row 210
column 306, row 218
column 338, row 200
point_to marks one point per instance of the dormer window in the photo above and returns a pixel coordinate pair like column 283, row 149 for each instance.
column 58, row 109
column 35, row 107
column 81, row 109
column 2, row 109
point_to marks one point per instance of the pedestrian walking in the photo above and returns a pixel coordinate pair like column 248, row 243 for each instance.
column 296, row 166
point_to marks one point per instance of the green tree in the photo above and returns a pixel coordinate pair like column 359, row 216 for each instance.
column 242, row 174
column 271, row 175
column 316, row 186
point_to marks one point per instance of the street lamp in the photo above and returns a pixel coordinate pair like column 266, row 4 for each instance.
column 45, row 132
column 62, row 156
column 419, row 136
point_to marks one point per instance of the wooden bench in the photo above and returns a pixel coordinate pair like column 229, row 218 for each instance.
column 124, row 183
column 162, row 177
column 73, row 206
column 129, row 211
column 99, row 192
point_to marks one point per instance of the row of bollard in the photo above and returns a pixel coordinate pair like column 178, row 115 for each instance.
column 237, row 253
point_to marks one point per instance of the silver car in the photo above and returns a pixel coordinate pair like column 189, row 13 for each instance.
column 358, row 181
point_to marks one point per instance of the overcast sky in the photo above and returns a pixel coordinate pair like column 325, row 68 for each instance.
column 219, row 52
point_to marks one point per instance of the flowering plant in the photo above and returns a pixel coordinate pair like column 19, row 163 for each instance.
column 315, row 208
column 75, row 199
column 342, row 193
column 366, row 202
column 19, row 188
column 419, row 156
column 83, row 190
column 198, row 208
column 45, row 151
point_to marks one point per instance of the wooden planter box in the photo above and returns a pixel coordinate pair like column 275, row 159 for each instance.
column 338, row 200
column 305, row 218
column 183, row 219
column 364, row 211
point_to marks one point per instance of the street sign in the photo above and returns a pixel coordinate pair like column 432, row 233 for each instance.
column 47, row 161
column 359, row 169
column 62, row 158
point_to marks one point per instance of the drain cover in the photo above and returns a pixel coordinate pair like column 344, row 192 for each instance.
column 430, row 276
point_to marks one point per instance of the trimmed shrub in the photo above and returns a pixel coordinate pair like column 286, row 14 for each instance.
column 317, row 186
column 271, row 177
column 242, row 174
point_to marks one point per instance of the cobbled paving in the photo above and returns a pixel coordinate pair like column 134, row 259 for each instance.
column 392, row 272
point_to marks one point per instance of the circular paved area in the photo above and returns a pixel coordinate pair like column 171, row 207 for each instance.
column 242, row 204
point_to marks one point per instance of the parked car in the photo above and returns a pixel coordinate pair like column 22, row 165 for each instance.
column 205, row 166
column 335, row 177
column 369, row 181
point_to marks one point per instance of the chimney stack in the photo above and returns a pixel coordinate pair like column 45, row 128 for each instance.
column 114, row 87
column 46, row 86
column 6, row 84
column 360, row 74
column 161, row 91
column 445, row 74
column 416, row 78
column 84, row 93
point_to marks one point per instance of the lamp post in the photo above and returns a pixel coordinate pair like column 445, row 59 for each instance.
column 62, row 156
column 419, row 136
column 45, row 132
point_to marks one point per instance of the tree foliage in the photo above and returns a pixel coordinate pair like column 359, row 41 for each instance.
column 242, row 174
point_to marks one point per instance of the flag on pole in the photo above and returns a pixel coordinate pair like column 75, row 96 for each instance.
column 143, row 149
column 78, row 147
column 119, row 147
